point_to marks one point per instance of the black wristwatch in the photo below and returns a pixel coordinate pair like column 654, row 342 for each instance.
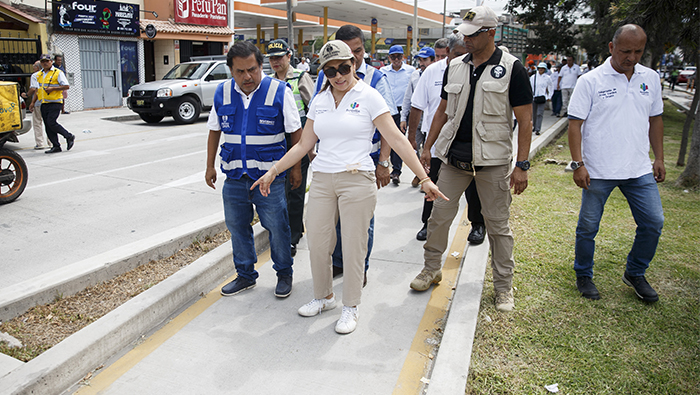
column 525, row 165
column 575, row 165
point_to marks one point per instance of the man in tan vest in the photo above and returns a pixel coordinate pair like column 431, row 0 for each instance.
column 472, row 134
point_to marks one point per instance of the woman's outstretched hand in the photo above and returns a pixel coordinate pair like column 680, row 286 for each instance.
column 431, row 191
column 264, row 182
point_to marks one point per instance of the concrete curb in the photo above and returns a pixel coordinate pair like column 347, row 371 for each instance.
column 678, row 104
column 66, row 363
column 547, row 137
column 17, row 299
column 451, row 367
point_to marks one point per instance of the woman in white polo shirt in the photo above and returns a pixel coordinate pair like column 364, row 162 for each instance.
column 342, row 118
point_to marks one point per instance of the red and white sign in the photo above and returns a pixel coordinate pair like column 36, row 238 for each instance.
column 201, row 12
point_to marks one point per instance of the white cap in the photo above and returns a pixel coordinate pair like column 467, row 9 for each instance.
column 477, row 18
column 334, row 50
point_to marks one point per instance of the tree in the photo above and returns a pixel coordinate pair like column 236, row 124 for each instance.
column 552, row 21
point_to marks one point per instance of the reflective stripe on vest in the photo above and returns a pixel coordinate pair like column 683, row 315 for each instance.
column 47, row 81
column 248, row 151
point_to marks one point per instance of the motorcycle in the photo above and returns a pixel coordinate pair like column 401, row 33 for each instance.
column 13, row 169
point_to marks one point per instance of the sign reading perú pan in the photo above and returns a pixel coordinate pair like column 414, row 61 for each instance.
column 201, row 12
column 101, row 17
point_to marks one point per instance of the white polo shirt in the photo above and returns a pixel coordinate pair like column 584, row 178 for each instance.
column 569, row 76
column 426, row 97
column 615, row 131
column 345, row 133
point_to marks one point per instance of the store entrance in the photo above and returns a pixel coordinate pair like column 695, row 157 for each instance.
column 199, row 48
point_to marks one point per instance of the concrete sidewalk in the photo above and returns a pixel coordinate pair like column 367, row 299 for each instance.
column 182, row 337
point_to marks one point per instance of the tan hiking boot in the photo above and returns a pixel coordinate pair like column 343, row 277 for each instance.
column 505, row 300
column 425, row 278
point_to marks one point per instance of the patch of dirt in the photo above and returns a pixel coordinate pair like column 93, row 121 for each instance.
column 42, row 327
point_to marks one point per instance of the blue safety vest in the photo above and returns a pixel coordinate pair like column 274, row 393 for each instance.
column 372, row 78
column 253, row 137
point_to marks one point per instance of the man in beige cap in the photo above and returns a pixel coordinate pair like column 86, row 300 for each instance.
column 472, row 135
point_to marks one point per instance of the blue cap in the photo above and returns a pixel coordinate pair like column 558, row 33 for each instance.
column 396, row 49
column 426, row 52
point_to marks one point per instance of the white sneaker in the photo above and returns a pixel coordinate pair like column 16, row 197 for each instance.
column 316, row 306
column 348, row 320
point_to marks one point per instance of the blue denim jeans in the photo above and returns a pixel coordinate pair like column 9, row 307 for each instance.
column 272, row 211
column 338, row 251
column 642, row 195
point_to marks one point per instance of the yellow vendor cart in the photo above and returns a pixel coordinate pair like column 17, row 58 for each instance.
column 13, row 169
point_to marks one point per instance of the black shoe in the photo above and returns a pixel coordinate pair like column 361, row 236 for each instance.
column 238, row 285
column 53, row 150
column 71, row 141
column 587, row 288
column 395, row 179
column 422, row 234
column 337, row 271
column 641, row 287
column 284, row 286
column 294, row 250
column 477, row 234
column 537, row 133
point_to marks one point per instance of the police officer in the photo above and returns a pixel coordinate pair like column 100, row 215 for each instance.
column 254, row 112
column 302, row 85
column 52, row 83
column 472, row 135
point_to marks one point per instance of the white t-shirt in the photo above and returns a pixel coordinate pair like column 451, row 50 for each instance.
column 555, row 78
column 426, row 97
column 292, row 122
column 615, row 131
column 569, row 76
column 345, row 133
column 303, row 67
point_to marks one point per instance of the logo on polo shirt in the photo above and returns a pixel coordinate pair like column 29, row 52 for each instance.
column 644, row 89
column 498, row 72
column 354, row 107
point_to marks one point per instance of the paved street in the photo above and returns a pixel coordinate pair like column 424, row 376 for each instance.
column 123, row 181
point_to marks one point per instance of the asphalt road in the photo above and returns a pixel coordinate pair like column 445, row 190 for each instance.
column 122, row 181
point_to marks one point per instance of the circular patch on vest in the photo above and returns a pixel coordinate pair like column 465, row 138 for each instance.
column 498, row 72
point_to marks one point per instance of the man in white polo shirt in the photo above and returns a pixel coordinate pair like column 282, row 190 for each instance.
column 614, row 115
column 568, row 75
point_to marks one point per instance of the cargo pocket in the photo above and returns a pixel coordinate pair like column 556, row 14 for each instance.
column 267, row 120
column 496, row 140
column 495, row 97
column 453, row 91
column 226, row 117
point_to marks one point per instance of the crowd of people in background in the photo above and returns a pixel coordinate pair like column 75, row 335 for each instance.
column 468, row 110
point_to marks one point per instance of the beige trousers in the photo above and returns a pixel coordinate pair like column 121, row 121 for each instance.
column 493, row 186
column 352, row 197
column 38, row 126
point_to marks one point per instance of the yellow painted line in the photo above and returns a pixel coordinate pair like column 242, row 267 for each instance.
column 110, row 374
column 418, row 358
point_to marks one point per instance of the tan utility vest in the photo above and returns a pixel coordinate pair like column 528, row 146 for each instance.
column 492, row 125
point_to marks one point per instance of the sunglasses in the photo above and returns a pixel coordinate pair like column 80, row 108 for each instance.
column 395, row 56
column 476, row 33
column 343, row 69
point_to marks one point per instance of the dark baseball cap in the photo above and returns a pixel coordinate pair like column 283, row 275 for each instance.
column 45, row 57
column 277, row 48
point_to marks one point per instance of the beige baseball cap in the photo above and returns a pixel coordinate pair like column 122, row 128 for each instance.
column 476, row 18
column 334, row 50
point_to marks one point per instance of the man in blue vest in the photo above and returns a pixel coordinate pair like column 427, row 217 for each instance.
column 355, row 39
column 253, row 111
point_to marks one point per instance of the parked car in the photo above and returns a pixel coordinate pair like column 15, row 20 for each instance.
column 313, row 66
column 685, row 73
column 183, row 93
